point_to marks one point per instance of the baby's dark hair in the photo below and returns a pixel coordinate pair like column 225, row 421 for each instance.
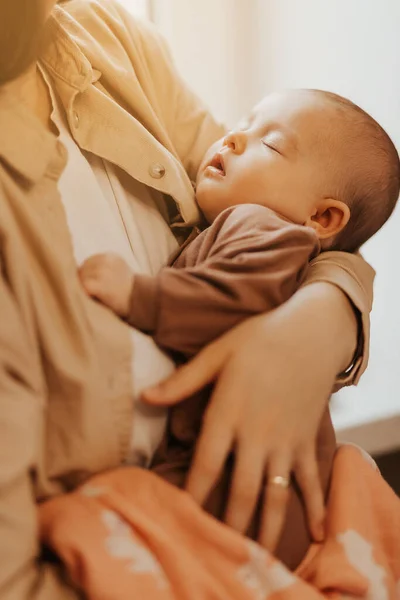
column 369, row 180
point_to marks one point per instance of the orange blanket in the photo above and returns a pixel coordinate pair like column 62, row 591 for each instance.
column 128, row 534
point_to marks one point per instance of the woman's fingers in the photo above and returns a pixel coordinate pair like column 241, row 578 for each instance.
column 307, row 477
column 246, row 485
column 188, row 379
column 213, row 447
column 275, row 500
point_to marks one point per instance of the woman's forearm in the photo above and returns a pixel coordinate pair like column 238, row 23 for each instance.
column 324, row 318
column 275, row 373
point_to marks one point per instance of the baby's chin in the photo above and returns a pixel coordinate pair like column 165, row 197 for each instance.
column 207, row 202
column 208, row 214
column 206, row 198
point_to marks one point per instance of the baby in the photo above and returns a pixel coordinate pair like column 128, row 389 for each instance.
column 307, row 171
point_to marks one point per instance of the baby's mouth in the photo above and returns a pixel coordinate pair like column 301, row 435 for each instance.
column 216, row 164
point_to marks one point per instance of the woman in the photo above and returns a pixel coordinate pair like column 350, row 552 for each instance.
column 105, row 87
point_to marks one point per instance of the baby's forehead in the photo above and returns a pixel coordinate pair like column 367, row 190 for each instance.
column 310, row 122
column 292, row 107
column 310, row 118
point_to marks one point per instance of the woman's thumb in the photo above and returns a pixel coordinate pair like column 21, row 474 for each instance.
column 189, row 378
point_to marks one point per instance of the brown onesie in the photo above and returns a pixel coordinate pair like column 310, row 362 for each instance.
column 249, row 261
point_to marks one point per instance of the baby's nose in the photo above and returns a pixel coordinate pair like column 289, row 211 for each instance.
column 236, row 141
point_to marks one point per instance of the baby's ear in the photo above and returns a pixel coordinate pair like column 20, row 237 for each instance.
column 330, row 217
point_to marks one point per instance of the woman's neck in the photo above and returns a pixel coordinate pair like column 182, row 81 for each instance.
column 31, row 90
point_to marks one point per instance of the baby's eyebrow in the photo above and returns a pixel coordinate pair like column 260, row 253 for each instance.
column 246, row 121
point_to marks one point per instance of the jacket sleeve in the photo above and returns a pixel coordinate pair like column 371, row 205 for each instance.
column 22, row 576
column 355, row 277
column 256, row 263
column 192, row 129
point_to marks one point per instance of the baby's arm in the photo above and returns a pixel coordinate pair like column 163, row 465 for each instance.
column 254, row 262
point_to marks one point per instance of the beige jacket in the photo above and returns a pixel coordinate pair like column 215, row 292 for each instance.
column 65, row 361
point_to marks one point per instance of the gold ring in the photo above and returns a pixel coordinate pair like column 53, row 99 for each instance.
column 283, row 482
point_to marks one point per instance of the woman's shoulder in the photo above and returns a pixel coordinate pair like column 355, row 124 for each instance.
column 95, row 7
column 109, row 14
column 107, row 33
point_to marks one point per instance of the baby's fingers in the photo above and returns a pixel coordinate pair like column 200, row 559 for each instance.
column 93, row 263
column 93, row 286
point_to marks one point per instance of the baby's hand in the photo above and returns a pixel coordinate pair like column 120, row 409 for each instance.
column 108, row 278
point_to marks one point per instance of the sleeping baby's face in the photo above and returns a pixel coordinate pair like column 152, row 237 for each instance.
column 273, row 158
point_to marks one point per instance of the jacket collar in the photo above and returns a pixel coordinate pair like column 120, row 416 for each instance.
column 61, row 54
column 25, row 145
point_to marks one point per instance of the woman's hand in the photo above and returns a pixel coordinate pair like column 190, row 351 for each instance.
column 274, row 374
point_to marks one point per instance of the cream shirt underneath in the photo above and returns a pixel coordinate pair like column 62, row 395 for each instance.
column 108, row 211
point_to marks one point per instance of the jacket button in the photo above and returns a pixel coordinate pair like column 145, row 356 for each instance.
column 157, row 171
column 76, row 120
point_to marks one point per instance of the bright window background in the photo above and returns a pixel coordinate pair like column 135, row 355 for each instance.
column 232, row 52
